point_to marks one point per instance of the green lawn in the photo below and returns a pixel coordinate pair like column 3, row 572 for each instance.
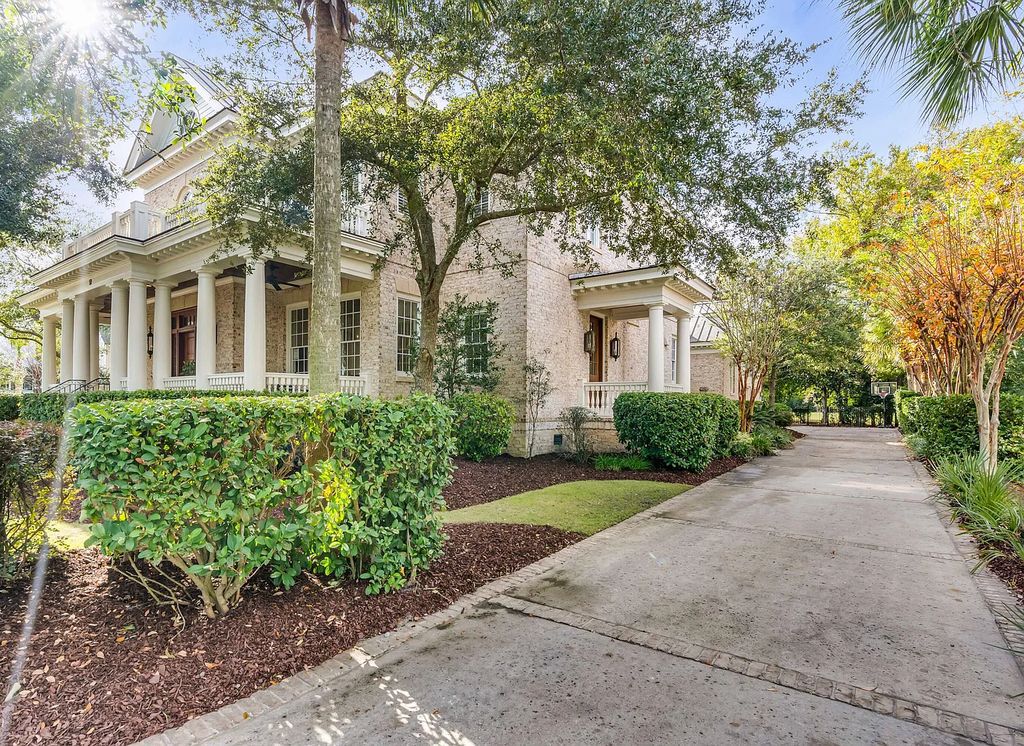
column 586, row 507
column 68, row 535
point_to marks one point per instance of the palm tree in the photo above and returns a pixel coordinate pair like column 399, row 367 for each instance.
column 333, row 22
column 952, row 53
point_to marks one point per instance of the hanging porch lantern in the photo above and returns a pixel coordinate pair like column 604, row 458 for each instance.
column 588, row 341
column 613, row 347
column 149, row 342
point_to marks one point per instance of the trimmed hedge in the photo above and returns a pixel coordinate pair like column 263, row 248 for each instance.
column 906, row 409
column 349, row 487
column 683, row 431
column 940, row 427
column 483, row 425
column 51, row 407
column 9, row 407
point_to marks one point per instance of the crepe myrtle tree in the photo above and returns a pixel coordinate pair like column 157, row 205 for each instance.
column 650, row 119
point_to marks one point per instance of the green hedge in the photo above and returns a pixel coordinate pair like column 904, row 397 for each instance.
column 483, row 424
column 906, row 409
column 944, row 426
column 9, row 407
column 349, row 487
column 51, row 407
column 684, row 431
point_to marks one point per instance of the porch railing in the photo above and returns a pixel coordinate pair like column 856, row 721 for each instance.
column 226, row 382
column 294, row 383
column 601, row 396
column 180, row 383
column 352, row 385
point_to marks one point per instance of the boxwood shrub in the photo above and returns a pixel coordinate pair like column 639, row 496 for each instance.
column 684, row 431
column 219, row 488
column 9, row 407
column 483, row 424
column 906, row 410
column 51, row 407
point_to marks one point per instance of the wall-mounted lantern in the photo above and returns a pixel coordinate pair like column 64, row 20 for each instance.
column 613, row 347
column 588, row 341
column 149, row 342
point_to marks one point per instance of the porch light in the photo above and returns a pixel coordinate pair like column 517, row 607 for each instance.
column 149, row 342
column 588, row 341
column 613, row 347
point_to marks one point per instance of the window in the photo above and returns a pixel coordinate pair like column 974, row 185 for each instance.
column 594, row 235
column 482, row 203
column 476, row 349
column 350, row 351
column 408, row 334
column 403, row 202
column 675, row 351
column 298, row 340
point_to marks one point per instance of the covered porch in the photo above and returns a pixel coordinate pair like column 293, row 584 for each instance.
column 170, row 312
column 666, row 298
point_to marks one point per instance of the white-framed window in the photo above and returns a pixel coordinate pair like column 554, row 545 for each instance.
column 594, row 235
column 675, row 352
column 482, row 203
column 298, row 339
column 478, row 332
column 350, row 337
column 408, row 334
column 403, row 202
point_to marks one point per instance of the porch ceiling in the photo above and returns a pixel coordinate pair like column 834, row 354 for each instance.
column 629, row 294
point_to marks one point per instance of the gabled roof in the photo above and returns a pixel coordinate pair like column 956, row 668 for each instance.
column 212, row 98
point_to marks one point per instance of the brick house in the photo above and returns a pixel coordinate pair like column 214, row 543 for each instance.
column 175, row 311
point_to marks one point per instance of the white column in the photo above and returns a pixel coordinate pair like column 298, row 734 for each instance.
column 94, row 341
column 118, row 333
column 255, row 340
column 137, row 328
column 206, row 328
column 49, row 353
column 683, row 352
column 162, row 334
column 656, row 348
column 67, row 339
column 81, row 348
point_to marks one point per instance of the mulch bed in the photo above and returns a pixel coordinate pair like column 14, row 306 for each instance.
column 503, row 476
column 106, row 668
column 1010, row 569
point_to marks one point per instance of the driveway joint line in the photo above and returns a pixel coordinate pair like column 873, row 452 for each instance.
column 901, row 708
column 951, row 556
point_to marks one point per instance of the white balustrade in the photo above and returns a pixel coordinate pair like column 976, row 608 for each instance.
column 601, row 396
column 352, row 385
column 226, row 382
column 179, row 383
column 141, row 221
column 357, row 221
column 122, row 384
column 295, row 383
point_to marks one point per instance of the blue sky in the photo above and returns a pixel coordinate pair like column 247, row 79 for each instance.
column 887, row 119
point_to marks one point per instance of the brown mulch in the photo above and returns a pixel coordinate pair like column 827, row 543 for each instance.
column 1010, row 569
column 105, row 668
column 795, row 433
column 503, row 476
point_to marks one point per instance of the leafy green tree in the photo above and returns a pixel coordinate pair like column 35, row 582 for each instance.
column 952, row 54
column 467, row 348
column 559, row 116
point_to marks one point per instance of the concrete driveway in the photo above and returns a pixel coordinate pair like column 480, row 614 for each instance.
column 812, row 597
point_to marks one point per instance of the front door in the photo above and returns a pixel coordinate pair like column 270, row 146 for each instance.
column 183, row 342
column 597, row 355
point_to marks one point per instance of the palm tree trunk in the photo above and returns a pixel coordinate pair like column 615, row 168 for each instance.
column 325, row 256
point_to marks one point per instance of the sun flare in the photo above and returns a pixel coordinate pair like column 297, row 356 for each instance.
column 79, row 19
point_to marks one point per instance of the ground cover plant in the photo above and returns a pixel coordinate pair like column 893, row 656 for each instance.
column 620, row 462
column 582, row 507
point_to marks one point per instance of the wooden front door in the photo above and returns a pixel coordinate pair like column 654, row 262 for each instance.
column 183, row 342
column 597, row 355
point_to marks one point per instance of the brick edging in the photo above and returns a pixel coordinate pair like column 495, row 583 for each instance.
column 946, row 721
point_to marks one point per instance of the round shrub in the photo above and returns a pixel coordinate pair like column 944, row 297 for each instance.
column 9, row 407
column 682, row 431
column 483, row 425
